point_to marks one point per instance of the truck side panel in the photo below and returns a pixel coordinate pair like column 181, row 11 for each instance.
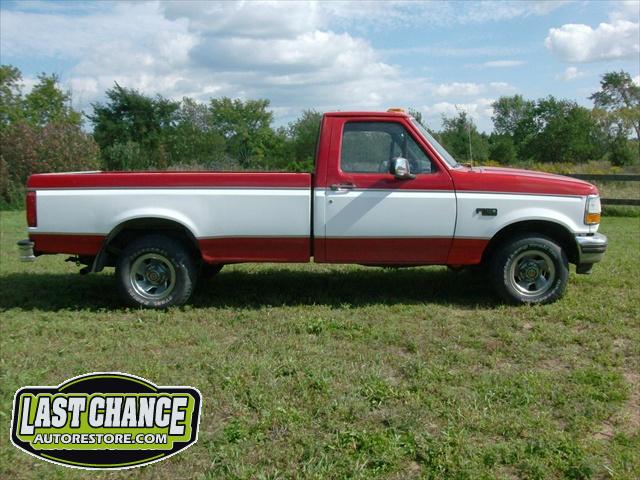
column 261, row 222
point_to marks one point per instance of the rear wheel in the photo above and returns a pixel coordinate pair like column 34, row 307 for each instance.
column 156, row 272
column 530, row 269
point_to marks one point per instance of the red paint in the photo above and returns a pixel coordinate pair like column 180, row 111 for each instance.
column 377, row 251
column 255, row 249
column 32, row 212
column 412, row 251
column 483, row 179
column 88, row 245
column 328, row 171
column 466, row 251
column 512, row 180
column 170, row 180
column 369, row 115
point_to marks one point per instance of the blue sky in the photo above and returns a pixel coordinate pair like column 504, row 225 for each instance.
column 436, row 57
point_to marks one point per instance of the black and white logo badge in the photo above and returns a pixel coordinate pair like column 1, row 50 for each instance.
column 105, row 420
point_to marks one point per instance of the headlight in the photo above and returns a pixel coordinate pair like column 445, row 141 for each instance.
column 592, row 210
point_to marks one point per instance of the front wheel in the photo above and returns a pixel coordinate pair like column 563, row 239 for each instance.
column 530, row 269
column 156, row 272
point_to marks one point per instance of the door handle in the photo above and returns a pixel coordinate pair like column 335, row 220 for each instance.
column 342, row 186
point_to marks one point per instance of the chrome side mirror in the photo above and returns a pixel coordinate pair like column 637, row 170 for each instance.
column 400, row 169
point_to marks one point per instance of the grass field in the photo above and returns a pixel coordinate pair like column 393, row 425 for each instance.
column 333, row 372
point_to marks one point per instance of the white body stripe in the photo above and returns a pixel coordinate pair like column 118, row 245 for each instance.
column 389, row 213
column 206, row 212
column 273, row 212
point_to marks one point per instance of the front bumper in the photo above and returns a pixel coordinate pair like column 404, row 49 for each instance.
column 26, row 250
column 591, row 250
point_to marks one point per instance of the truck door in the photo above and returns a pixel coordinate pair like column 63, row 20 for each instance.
column 370, row 216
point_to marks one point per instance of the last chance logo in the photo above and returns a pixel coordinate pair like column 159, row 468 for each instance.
column 105, row 420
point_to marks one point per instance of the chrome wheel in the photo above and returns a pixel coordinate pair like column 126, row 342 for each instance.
column 152, row 276
column 532, row 273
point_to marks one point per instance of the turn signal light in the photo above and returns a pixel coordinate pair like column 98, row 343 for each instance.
column 592, row 210
column 592, row 218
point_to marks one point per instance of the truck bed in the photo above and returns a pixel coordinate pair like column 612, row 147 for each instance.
column 230, row 214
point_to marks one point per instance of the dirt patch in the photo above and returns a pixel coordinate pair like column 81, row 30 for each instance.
column 632, row 407
column 411, row 470
column 553, row 365
column 628, row 419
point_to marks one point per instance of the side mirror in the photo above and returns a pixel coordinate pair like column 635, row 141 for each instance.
column 400, row 169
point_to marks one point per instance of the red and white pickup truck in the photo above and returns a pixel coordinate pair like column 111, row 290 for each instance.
column 383, row 192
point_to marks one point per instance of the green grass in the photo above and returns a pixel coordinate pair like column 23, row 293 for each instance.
column 340, row 371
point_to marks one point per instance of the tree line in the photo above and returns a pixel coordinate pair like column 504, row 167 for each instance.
column 41, row 132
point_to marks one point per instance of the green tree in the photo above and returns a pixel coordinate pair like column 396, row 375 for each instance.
column 39, row 132
column 460, row 132
column 47, row 103
column 620, row 96
column 617, row 110
column 129, row 118
column 417, row 116
column 566, row 132
column 194, row 141
column 515, row 117
column 303, row 134
column 11, row 107
column 246, row 127
column 502, row 149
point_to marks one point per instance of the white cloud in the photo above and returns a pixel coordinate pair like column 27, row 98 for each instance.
column 577, row 43
column 464, row 89
column 503, row 63
column 434, row 12
column 260, row 19
column 448, row 51
column 626, row 10
column 479, row 109
column 496, row 10
column 288, row 52
column 571, row 73
column 458, row 89
column 636, row 80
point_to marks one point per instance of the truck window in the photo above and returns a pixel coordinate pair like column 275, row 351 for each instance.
column 369, row 147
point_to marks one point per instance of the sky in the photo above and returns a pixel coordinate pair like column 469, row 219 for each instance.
column 436, row 57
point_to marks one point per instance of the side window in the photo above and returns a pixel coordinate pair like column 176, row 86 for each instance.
column 369, row 147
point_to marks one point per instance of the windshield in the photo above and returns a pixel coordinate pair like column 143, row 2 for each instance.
column 434, row 143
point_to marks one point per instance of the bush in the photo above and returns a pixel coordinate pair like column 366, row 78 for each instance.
column 621, row 153
column 58, row 147
column 502, row 149
column 124, row 156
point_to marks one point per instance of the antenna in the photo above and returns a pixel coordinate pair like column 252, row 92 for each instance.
column 470, row 151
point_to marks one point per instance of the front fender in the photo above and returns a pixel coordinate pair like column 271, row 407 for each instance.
column 567, row 211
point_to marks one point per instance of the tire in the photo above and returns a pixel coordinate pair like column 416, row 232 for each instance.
column 210, row 270
column 530, row 269
column 156, row 272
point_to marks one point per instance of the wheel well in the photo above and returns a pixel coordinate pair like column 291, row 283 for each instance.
column 128, row 231
column 554, row 231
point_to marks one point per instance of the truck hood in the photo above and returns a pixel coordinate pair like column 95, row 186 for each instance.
column 516, row 180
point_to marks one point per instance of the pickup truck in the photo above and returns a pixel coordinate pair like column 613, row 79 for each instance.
column 384, row 192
